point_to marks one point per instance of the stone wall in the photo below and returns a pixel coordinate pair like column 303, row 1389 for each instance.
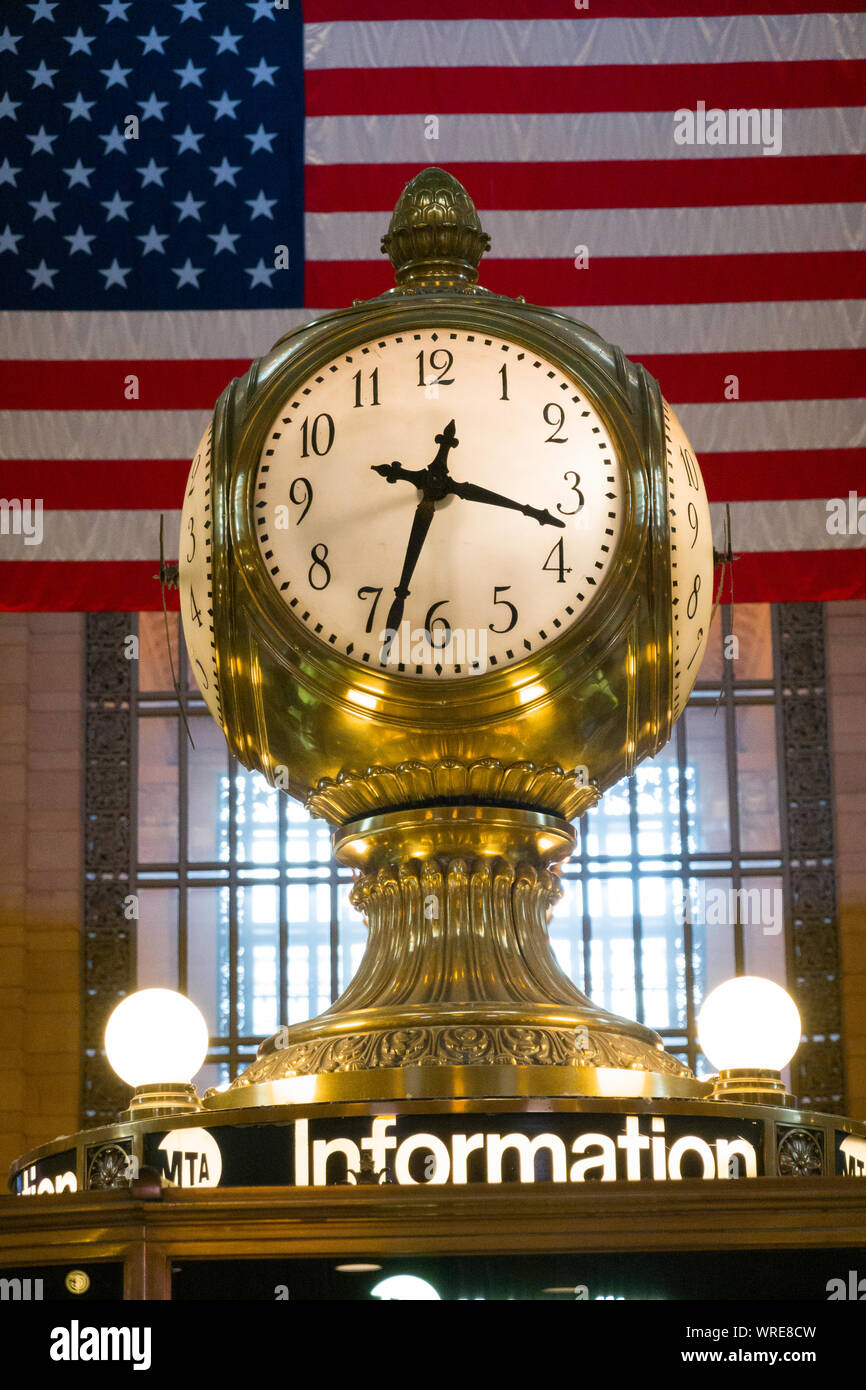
column 40, row 878
column 846, row 679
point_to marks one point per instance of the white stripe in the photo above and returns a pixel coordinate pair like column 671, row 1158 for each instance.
column 97, row 535
column 644, row 328
column 794, row 524
column 735, row 425
column 134, row 535
column 584, row 42
column 348, row 236
column 153, row 434
column 100, row 434
column 559, row 136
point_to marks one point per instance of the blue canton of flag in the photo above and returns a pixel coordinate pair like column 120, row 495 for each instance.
column 152, row 155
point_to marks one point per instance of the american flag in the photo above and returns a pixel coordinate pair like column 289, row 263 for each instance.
column 184, row 182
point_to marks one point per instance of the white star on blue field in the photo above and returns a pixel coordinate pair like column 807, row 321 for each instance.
column 151, row 156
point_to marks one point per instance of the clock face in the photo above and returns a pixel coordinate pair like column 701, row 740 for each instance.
column 691, row 560
column 438, row 503
column 195, row 579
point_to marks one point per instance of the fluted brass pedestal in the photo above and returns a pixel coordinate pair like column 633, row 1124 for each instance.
column 458, row 974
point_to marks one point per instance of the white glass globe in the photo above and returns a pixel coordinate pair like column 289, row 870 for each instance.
column 749, row 1023
column 156, row 1036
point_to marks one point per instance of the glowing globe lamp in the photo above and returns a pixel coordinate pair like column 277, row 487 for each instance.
column 156, row 1040
column 749, row 1028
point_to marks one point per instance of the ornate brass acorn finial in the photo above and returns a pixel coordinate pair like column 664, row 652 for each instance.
column 435, row 233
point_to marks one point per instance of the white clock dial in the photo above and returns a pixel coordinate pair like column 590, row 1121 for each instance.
column 195, row 580
column 453, row 490
column 691, row 560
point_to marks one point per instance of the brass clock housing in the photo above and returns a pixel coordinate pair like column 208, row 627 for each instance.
column 451, row 797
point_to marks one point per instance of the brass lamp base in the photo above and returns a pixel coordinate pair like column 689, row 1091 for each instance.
column 458, row 971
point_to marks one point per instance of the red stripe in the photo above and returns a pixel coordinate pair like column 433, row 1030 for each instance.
column 808, row 576
column 85, row 586
column 837, row 374
column 318, row 11
column 775, row 474
column 758, row 277
column 798, row 576
column 812, row 374
column 663, row 87
column 176, row 384
column 614, row 183
column 97, row 484
column 159, row 484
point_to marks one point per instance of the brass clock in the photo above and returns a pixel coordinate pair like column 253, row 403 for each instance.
column 445, row 556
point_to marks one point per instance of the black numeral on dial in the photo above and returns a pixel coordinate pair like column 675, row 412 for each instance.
column 319, row 568
column 503, row 603
column 317, row 436
column 559, row 566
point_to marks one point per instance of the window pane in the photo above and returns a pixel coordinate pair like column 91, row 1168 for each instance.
column 707, row 780
column 157, row 790
column 154, row 671
column 258, row 949
column 757, row 777
column 157, row 938
column 764, row 929
column 207, row 792
column 754, row 634
column 207, row 956
column 256, row 818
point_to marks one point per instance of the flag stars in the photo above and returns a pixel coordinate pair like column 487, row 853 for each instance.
column 42, row 76
column 260, row 274
column 8, row 107
column 224, row 107
column 261, row 139
column 9, row 240
column 189, row 207
column 224, row 172
column 260, row 206
column 189, row 75
column 262, row 73
column 42, row 141
column 152, row 108
column 116, row 9
column 42, row 276
column 78, row 175
column 44, row 207
column 223, row 240
column 79, row 107
column 152, row 241
column 152, row 42
column 114, row 141
column 79, row 240
column 115, row 275
column 8, row 41
column 190, row 9
column 115, row 75
column 188, row 140
column 116, row 207
column 151, row 172
column 42, row 10
column 7, row 173
column 262, row 9
column 187, row 274
column 79, row 42
column 226, row 42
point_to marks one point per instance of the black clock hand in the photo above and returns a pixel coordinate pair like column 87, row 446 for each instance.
column 471, row 493
column 394, row 472
column 420, row 526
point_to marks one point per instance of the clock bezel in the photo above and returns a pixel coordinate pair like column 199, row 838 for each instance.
column 400, row 698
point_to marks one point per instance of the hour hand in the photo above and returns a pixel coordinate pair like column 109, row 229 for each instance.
column 471, row 493
column 395, row 472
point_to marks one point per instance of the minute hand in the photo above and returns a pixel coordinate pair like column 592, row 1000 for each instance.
column 470, row 493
